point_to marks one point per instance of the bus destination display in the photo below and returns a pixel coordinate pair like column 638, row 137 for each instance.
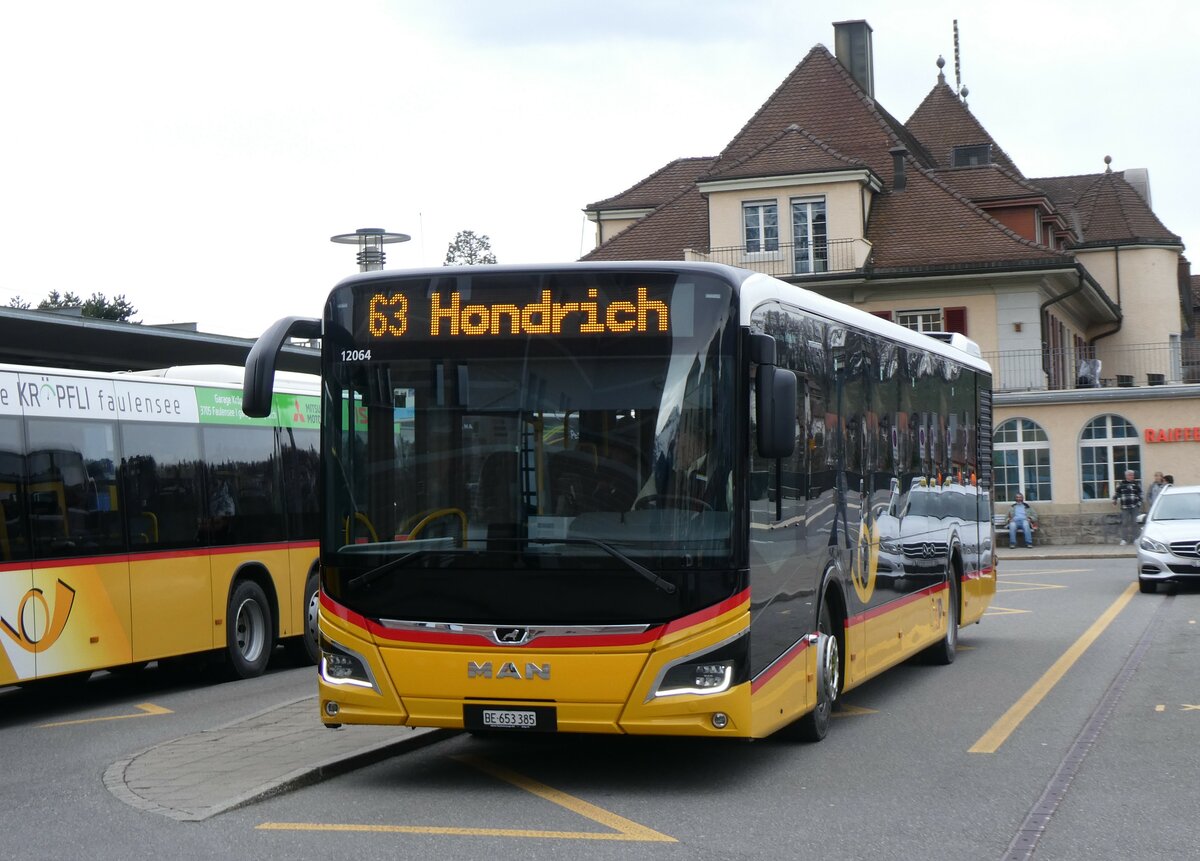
column 420, row 314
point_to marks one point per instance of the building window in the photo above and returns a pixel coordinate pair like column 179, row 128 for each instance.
column 1107, row 447
column 934, row 320
column 760, row 222
column 970, row 156
column 810, row 235
column 928, row 320
column 1021, row 461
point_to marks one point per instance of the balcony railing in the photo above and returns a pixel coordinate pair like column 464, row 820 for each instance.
column 1055, row 370
column 836, row 255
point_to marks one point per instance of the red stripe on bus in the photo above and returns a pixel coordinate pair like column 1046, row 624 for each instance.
column 778, row 664
column 548, row 642
column 875, row 612
column 708, row 613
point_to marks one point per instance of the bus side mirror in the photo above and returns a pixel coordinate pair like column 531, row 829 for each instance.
column 775, row 394
column 258, row 384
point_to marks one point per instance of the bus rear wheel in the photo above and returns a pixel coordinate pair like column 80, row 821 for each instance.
column 249, row 634
column 943, row 651
column 815, row 725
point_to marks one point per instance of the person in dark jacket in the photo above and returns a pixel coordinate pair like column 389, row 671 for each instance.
column 1129, row 498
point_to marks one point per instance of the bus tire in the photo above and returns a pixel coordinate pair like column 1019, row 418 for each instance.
column 303, row 649
column 250, row 633
column 814, row 726
column 944, row 650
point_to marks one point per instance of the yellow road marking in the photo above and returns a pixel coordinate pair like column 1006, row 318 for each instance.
column 623, row 829
column 1187, row 707
column 1160, row 708
column 1002, row 611
column 1007, row 575
column 992, row 739
column 1029, row 587
column 852, row 711
column 145, row 710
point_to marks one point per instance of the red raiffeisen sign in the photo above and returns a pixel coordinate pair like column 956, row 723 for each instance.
column 1173, row 434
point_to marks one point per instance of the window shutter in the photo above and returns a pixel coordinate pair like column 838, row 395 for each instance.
column 955, row 319
column 887, row 315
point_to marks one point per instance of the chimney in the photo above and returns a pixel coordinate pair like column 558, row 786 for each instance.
column 899, row 180
column 1139, row 178
column 852, row 47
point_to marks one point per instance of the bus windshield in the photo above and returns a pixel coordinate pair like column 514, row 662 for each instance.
column 536, row 452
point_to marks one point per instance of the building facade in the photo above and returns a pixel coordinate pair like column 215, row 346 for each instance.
column 1079, row 297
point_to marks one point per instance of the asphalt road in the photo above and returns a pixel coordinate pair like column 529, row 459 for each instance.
column 1065, row 729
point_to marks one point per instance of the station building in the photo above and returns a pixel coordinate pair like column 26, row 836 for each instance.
column 1078, row 295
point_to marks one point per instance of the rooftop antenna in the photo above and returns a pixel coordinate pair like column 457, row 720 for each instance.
column 961, row 90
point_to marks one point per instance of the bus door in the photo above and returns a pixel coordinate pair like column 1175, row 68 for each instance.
column 76, row 616
column 168, row 573
column 16, row 575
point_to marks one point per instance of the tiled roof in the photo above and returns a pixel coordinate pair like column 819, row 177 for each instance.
column 907, row 235
column 663, row 234
column 819, row 119
column 1104, row 208
column 791, row 151
column 659, row 187
column 988, row 182
column 821, row 96
column 942, row 122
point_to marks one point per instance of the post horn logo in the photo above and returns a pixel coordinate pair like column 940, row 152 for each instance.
column 865, row 565
column 64, row 599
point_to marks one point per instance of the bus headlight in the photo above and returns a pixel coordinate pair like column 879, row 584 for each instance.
column 710, row 672
column 342, row 666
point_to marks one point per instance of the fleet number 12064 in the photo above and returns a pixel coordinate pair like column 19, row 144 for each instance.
column 356, row 355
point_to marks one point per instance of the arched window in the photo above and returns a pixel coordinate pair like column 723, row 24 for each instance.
column 1107, row 447
column 1021, row 461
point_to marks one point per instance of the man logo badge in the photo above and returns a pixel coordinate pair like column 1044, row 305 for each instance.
column 507, row 670
column 511, row 636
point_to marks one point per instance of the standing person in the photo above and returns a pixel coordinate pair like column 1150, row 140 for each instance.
column 1158, row 484
column 1129, row 498
column 1022, row 517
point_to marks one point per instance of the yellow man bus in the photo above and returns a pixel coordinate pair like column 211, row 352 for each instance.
column 633, row 498
column 147, row 517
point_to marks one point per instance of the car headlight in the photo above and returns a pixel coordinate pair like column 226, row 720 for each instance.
column 1148, row 543
column 892, row 547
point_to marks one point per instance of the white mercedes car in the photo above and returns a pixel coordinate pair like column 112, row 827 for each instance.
column 1168, row 550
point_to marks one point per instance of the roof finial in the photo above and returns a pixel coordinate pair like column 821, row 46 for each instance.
column 1108, row 164
column 941, row 64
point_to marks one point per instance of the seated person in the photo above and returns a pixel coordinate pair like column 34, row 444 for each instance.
column 1021, row 516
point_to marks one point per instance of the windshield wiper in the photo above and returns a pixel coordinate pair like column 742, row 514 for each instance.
column 666, row 585
column 375, row 573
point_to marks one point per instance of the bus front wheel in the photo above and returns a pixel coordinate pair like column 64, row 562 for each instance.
column 249, row 632
column 815, row 725
column 303, row 649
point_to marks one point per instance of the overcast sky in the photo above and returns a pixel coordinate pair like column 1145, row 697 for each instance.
column 197, row 157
